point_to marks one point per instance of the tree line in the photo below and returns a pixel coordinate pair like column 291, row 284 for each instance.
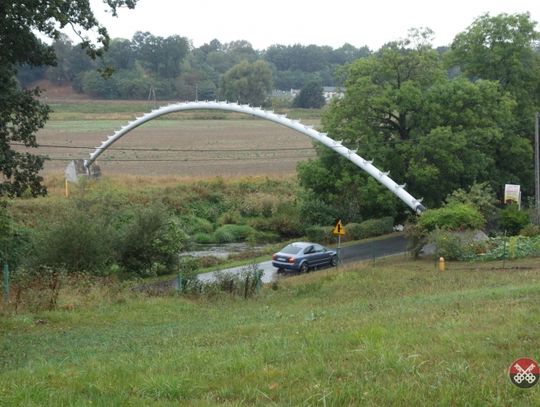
column 171, row 67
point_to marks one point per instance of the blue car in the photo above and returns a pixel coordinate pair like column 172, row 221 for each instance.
column 303, row 256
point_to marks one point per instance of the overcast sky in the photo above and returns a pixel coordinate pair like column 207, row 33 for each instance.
column 333, row 23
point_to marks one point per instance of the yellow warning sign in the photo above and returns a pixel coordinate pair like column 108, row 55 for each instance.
column 339, row 229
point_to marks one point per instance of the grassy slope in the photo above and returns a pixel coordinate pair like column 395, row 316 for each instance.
column 384, row 334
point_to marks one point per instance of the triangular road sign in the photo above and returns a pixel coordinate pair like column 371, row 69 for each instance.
column 339, row 229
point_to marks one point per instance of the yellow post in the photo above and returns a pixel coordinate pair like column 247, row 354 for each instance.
column 441, row 263
column 67, row 188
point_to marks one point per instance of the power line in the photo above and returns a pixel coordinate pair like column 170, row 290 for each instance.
column 178, row 150
column 180, row 160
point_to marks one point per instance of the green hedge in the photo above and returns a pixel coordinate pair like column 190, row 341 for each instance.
column 369, row 228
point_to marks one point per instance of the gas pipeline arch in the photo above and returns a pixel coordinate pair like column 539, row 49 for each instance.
column 351, row 155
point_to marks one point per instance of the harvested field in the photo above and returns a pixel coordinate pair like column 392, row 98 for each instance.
column 178, row 146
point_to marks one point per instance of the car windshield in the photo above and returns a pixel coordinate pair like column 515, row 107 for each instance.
column 290, row 249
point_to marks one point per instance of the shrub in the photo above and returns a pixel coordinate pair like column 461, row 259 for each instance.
column 320, row 234
column 14, row 239
column 512, row 219
column 192, row 225
column 447, row 244
column 233, row 233
column 455, row 216
column 530, row 230
column 373, row 227
column 229, row 218
column 204, row 238
column 481, row 196
column 314, row 211
column 259, row 204
column 150, row 244
column 76, row 243
column 286, row 221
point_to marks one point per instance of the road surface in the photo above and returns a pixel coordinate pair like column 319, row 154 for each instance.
column 356, row 252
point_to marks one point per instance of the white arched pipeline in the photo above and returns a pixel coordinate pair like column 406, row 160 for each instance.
column 382, row 177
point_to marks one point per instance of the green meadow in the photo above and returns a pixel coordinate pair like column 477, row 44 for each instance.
column 394, row 332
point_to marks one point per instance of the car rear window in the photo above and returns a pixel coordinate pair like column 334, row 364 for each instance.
column 291, row 249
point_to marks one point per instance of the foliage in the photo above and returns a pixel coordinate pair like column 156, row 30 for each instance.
column 14, row 238
column 21, row 114
column 456, row 216
column 75, row 242
column 150, row 244
column 320, row 234
column 530, row 230
column 370, row 228
column 36, row 289
column 479, row 195
column 432, row 133
column 456, row 245
column 315, row 211
column 514, row 247
column 341, row 190
column 502, row 48
column 310, row 96
column 233, row 233
column 247, row 83
column 512, row 219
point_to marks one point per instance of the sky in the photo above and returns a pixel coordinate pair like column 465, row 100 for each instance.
column 287, row 22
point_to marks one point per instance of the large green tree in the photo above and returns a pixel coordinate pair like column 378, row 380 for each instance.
column 310, row 96
column 21, row 114
column 432, row 133
column 502, row 48
column 247, row 83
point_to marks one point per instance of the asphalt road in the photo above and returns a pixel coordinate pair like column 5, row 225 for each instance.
column 353, row 253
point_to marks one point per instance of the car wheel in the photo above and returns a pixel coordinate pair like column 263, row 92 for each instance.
column 333, row 261
column 304, row 268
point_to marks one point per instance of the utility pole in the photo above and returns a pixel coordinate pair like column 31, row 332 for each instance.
column 537, row 170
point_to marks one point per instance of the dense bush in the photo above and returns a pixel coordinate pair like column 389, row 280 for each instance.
column 193, row 225
column 316, row 212
column 150, row 244
column 287, row 221
column 259, row 204
column 370, row 228
column 480, row 196
column 530, row 230
column 77, row 243
column 14, row 238
column 512, row 219
column 456, row 245
column 320, row 234
column 233, row 233
column 455, row 216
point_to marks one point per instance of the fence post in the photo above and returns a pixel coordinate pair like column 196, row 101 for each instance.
column 6, row 282
column 179, row 287
column 504, row 252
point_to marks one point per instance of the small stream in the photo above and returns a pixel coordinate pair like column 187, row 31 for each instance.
column 221, row 251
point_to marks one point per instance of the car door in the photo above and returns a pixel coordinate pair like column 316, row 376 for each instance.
column 319, row 255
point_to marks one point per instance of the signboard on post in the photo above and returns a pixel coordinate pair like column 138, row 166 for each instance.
column 339, row 230
column 512, row 193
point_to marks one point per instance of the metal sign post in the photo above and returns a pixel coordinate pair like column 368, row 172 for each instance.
column 339, row 230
